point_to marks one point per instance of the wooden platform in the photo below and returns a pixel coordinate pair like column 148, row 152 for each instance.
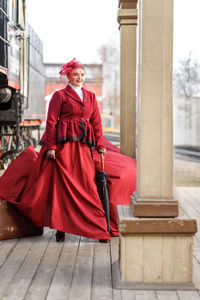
column 38, row 268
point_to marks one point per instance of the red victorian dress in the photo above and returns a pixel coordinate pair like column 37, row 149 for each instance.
column 62, row 193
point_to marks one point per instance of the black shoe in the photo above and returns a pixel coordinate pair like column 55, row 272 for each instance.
column 103, row 241
column 60, row 236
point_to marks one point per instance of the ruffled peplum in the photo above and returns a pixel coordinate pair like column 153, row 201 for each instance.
column 73, row 130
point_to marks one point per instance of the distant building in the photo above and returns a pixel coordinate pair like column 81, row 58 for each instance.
column 187, row 122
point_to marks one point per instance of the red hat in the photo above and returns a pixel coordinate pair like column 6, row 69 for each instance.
column 68, row 67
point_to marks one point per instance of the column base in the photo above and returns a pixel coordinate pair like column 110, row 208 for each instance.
column 154, row 209
column 155, row 252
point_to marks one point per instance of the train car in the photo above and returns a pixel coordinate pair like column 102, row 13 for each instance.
column 22, row 80
column 108, row 122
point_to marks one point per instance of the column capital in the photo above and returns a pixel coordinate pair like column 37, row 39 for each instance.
column 127, row 17
column 127, row 3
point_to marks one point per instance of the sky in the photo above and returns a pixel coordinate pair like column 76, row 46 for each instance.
column 78, row 28
column 73, row 28
column 186, row 29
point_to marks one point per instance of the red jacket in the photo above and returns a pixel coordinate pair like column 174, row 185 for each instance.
column 69, row 119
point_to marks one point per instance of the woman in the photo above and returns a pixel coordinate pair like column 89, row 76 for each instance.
column 56, row 187
column 61, row 192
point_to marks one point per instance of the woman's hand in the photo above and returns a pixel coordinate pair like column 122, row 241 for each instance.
column 51, row 154
column 103, row 150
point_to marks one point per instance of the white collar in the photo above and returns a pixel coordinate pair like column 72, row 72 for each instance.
column 76, row 88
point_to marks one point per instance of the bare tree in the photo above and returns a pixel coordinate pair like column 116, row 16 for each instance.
column 187, row 78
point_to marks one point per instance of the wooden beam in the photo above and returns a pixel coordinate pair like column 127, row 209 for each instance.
column 156, row 209
column 127, row 3
column 132, row 225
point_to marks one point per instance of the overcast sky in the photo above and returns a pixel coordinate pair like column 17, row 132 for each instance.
column 73, row 28
column 77, row 28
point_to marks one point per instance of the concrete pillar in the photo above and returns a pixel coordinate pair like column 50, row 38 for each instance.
column 155, row 115
column 127, row 18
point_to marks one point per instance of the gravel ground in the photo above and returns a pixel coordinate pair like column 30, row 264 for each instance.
column 186, row 172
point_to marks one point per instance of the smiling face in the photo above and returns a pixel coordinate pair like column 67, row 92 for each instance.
column 77, row 77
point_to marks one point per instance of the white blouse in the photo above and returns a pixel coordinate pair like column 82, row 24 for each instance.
column 78, row 90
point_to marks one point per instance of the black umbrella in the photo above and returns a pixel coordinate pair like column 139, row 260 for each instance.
column 101, row 179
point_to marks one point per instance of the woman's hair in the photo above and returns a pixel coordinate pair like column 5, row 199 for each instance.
column 68, row 67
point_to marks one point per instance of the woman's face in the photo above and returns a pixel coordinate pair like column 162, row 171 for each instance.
column 77, row 77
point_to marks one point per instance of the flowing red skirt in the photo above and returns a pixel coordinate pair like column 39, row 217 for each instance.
column 62, row 194
column 121, row 182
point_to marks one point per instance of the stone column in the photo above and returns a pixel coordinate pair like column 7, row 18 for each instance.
column 127, row 18
column 155, row 116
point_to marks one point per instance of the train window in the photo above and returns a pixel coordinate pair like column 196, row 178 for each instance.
column 108, row 122
column 3, row 5
column 3, row 33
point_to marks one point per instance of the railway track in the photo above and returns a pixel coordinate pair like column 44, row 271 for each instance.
column 193, row 155
column 113, row 137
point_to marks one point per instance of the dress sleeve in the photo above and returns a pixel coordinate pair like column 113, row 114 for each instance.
column 52, row 120
column 95, row 121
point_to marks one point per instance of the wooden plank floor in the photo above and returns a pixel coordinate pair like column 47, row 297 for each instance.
column 38, row 268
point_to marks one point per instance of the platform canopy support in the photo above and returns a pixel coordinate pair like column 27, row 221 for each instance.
column 155, row 109
column 127, row 18
column 151, row 237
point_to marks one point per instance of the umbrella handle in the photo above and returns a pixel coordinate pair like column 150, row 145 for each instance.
column 102, row 162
